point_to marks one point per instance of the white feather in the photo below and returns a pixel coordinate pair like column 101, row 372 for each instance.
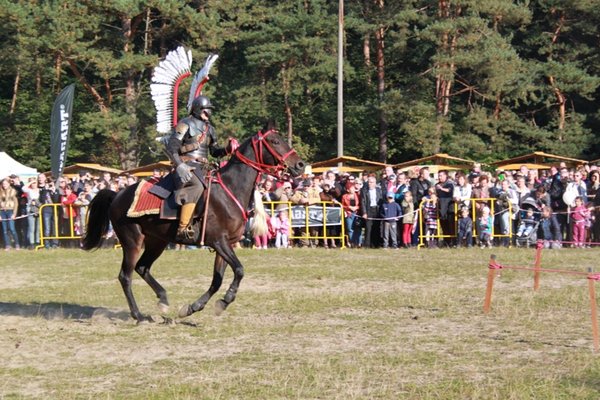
column 167, row 72
column 200, row 75
column 160, row 89
column 183, row 59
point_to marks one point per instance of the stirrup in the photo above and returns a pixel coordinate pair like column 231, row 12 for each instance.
column 186, row 233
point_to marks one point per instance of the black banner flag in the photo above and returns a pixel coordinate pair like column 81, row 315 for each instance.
column 60, row 125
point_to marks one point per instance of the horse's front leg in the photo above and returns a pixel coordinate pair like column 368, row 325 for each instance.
column 238, row 274
column 198, row 305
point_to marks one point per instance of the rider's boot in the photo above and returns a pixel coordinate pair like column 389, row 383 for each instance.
column 185, row 231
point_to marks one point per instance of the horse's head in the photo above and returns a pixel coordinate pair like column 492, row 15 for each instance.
column 268, row 152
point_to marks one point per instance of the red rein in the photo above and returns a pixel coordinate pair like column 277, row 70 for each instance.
column 258, row 145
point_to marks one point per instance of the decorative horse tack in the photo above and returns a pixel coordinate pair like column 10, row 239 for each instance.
column 143, row 239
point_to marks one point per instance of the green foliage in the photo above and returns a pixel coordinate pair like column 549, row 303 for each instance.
column 507, row 62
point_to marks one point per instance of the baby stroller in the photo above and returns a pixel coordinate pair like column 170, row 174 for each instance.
column 530, row 238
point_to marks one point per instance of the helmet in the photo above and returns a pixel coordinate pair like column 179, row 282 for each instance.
column 199, row 104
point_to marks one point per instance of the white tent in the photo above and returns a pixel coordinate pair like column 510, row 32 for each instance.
column 9, row 166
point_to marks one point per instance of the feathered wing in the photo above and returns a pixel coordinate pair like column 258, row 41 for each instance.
column 200, row 79
column 165, row 84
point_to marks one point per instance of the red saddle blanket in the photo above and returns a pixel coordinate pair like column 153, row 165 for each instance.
column 144, row 203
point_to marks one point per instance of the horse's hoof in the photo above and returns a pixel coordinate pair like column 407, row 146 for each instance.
column 185, row 311
column 220, row 306
column 168, row 321
column 163, row 308
column 145, row 319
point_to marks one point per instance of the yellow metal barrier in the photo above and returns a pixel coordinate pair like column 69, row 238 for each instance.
column 55, row 217
column 422, row 236
column 492, row 214
column 306, row 234
column 473, row 207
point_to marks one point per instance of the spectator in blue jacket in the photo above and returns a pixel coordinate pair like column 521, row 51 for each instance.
column 390, row 211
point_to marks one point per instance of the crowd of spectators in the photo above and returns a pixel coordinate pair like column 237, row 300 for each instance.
column 453, row 208
column 392, row 209
column 21, row 205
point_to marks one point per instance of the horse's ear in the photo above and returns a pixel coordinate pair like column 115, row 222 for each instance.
column 270, row 125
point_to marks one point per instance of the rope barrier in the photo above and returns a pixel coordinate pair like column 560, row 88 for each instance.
column 560, row 271
column 594, row 277
column 19, row 217
column 591, row 277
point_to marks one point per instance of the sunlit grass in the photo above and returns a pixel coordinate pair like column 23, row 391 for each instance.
column 307, row 324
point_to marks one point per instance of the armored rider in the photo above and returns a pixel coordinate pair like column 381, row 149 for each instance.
column 188, row 147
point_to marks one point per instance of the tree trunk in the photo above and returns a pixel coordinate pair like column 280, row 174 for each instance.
column 497, row 107
column 287, row 108
column 445, row 75
column 99, row 100
column 560, row 97
column 38, row 83
column 367, row 46
column 383, row 125
column 57, row 71
column 129, row 151
column 13, row 102
column 562, row 105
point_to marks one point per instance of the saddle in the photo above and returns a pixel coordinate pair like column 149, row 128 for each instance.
column 154, row 197
column 157, row 197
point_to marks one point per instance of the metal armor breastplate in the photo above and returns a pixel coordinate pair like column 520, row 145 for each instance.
column 199, row 132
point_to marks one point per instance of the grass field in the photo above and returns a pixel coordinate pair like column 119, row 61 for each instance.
column 307, row 324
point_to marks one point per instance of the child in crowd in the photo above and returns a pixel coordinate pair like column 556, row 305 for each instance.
column 549, row 230
column 390, row 211
column 408, row 219
column 281, row 227
column 526, row 225
column 590, row 223
column 430, row 216
column 580, row 215
column 484, row 225
column 465, row 228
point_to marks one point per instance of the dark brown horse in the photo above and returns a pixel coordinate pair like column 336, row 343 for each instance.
column 230, row 194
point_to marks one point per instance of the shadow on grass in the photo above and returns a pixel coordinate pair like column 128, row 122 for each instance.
column 55, row 310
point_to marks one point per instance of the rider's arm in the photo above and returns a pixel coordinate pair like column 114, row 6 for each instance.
column 175, row 142
column 215, row 150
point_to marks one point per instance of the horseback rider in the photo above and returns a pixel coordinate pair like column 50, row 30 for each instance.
column 188, row 147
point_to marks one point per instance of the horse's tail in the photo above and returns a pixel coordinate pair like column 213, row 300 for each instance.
column 259, row 225
column 98, row 221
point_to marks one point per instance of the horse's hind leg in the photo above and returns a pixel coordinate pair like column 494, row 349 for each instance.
column 152, row 250
column 130, row 256
column 132, row 246
column 198, row 305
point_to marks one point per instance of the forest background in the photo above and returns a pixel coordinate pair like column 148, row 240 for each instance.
column 481, row 79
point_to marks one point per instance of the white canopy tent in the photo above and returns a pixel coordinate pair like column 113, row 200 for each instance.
column 10, row 166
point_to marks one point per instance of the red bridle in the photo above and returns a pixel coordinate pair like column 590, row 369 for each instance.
column 259, row 143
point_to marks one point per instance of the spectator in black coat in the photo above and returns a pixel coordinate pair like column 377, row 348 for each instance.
column 371, row 198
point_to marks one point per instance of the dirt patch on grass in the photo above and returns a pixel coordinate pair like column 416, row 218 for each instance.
column 386, row 330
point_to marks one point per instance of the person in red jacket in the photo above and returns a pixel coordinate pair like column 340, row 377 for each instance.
column 69, row 214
